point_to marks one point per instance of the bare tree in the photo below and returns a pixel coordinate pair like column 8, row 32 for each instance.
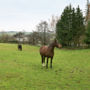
column 33, row 38
column 52, row 23
column 43, row 29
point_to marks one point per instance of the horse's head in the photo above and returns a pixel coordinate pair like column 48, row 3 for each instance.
column 56, row 44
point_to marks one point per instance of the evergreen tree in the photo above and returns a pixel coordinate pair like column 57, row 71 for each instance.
column 87, row 40
column 70, row 27
column 80, row 27
column 73, row 25
column 64, row 26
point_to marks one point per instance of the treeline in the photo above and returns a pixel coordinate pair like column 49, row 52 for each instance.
column 41, row 36
column 70, row 28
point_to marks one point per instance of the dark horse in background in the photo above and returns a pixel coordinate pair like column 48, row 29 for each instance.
column 48, row 51
column 20, row 47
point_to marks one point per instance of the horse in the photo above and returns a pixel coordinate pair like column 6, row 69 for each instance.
column 48, row 52
column 20, row 47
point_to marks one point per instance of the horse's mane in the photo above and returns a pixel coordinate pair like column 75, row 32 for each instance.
column 51, row 45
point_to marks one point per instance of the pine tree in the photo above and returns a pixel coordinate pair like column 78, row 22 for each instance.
column 87, row 40
column 64, row 27
column 70, row 27
column 73, row 25
column 80, row 28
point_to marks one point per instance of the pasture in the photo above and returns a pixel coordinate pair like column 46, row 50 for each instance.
column 22, row 70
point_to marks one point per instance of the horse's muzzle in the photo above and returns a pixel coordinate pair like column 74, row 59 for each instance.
column 59, row 46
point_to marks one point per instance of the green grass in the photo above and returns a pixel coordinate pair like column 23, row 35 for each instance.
column 23, row 70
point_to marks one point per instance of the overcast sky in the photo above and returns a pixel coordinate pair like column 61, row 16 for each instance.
column 17, row 15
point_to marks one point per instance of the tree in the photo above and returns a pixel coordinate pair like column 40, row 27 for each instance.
column 52, row 23
column 70, row 27
column 33, row 38
column 64, row 27
column 42, row 29
column 87, row 39
column 80, row 27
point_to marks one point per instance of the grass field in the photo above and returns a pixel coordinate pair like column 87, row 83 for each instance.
column 23, row 70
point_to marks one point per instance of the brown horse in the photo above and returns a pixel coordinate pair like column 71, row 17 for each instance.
column 48, row 51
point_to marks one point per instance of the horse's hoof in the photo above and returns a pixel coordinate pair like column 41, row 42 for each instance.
column 43, row 65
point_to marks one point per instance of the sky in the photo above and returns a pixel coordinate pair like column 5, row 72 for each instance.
column 24, row 15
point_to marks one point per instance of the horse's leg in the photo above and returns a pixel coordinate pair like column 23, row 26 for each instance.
column 51, row 63
column 47, row 63
column 44, row 61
